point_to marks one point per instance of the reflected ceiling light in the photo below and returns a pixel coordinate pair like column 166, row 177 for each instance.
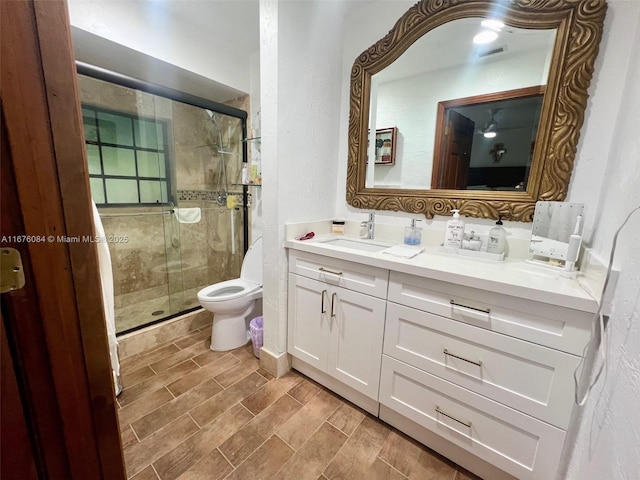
column 492, row 24
column 485, row 36
column 491, row 125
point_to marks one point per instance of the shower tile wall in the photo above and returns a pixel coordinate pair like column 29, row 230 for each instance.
column 164, row 263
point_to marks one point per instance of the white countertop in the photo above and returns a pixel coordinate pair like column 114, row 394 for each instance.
column 510, row 277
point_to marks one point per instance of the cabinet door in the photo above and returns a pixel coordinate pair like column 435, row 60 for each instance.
column 308, row 331
column 355, row 342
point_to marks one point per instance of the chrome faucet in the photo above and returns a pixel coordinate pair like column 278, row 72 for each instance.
column 371, row 226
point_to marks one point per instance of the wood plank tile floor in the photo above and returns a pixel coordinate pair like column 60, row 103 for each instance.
column 187, row 412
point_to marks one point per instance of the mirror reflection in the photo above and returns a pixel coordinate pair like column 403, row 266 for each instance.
column 438, row 72
column 487, row 145
column 553, row 225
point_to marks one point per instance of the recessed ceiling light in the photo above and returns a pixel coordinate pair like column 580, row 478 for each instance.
column 485, row 36
column 493, row 24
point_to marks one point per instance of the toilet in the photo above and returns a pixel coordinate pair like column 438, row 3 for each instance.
column 232, row 301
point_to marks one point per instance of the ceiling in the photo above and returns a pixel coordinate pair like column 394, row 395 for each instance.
column 228, row 26
column 234, row 23
column 451, row 45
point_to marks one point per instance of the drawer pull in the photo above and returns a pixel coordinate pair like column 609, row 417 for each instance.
column 483, row 310
column 333, row 298
column 478, row 363
column 322, row 309
column 466, row 424
column 326, row 270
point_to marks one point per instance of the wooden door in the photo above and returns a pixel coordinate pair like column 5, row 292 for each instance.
column 55, row 328
column 457, row 155
column 17, row 457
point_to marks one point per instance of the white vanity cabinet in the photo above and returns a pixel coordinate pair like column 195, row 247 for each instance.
column 478, row 369
column 484, row 376
column 336, row 324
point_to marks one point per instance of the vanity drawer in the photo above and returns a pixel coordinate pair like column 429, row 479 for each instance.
column 352, row 276
column 531, row 378
column 550, row 325
column 521, row 445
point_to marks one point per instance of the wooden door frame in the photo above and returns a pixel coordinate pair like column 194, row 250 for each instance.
column 55, row 324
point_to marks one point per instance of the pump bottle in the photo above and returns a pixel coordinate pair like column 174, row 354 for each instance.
column 455, row 231
column 413, row 234
column 497, row 238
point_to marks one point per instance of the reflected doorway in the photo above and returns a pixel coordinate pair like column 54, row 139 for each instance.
column 486, row 142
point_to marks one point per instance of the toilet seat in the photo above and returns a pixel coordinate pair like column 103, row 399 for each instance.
column 228, row 290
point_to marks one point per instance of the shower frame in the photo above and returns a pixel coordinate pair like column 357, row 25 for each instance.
column 116, row 78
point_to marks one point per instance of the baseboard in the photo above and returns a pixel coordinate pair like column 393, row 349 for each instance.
column 276, row 365
column 366, row 403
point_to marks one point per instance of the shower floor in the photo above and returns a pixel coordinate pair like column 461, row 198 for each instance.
column 153, row 309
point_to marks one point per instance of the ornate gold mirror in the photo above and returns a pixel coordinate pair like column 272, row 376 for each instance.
column 457, row 107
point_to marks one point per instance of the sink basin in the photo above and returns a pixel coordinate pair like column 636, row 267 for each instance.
column 356, row 244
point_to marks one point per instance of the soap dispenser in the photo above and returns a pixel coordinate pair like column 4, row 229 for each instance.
column 497, row 238
column 413, row 234
column 455, row 231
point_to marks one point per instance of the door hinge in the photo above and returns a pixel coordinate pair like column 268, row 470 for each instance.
column 11, row 271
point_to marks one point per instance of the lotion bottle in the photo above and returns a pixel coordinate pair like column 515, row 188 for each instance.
column 455, row 231
column 413, row 234
column 497, row 238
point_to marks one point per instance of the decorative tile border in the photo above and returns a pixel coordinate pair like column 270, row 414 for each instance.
column 196, row 195
column 206, row 195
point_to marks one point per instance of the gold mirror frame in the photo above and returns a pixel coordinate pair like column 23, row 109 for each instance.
column 579, row 26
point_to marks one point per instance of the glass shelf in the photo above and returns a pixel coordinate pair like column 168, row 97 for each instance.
column 251, row 139
column 249, row 184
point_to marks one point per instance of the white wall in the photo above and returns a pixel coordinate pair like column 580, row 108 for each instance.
column 606, row 434
column 255, row 126
column 300, row 48
column 603, row 107
column 148, row 28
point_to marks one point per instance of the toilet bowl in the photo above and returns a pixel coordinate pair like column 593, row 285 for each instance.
column 233, row 300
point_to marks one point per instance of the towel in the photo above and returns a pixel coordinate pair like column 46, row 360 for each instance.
column 187, row 215
column 403, row 251
column 106, row 280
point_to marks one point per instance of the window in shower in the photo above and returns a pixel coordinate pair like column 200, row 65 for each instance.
column 128, row 158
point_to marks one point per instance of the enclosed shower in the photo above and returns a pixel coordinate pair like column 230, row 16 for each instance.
column 165, row 172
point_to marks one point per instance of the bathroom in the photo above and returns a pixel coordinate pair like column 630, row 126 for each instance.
column 306, row 51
